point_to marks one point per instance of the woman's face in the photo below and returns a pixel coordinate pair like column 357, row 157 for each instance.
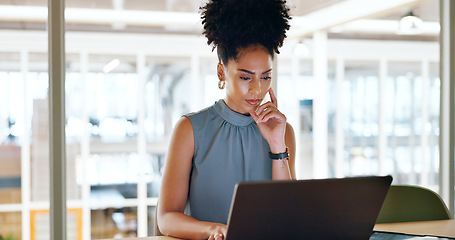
column 248, row 79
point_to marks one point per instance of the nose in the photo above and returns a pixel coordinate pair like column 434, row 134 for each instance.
column 255, row 87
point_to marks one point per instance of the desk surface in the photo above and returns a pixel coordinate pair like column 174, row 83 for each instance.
column 441, row 228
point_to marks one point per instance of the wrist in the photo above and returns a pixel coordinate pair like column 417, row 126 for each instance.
column 278, row 148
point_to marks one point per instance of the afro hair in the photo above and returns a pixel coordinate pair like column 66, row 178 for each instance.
column 231, row 25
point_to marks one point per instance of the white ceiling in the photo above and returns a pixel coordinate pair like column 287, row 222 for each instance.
column 143, row 16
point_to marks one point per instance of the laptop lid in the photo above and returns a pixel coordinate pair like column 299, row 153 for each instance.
column 344, row 208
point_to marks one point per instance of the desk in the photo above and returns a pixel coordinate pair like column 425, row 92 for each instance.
column 440, row 228
column 147, row 238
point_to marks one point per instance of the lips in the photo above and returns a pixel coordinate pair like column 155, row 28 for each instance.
column 253, row 102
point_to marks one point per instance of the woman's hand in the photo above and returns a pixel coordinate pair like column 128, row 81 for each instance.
column 271, row 123
column 218, row 232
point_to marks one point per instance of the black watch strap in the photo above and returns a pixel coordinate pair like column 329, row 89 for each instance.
column 278, row 156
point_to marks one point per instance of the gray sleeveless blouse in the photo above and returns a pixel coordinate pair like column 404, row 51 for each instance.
column 228, row 149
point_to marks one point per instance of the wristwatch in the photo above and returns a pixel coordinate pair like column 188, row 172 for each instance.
column 279, row 156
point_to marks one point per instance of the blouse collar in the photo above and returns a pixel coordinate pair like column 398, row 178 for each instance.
column 230, row 116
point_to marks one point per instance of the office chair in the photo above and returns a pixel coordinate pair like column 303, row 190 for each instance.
column 406, row 203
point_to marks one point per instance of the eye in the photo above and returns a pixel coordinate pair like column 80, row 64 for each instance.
column 266, row 78
column 245, row 78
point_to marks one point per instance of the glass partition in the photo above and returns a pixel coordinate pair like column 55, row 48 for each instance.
column 412, row 123
column 361, row 118
column 24, row 141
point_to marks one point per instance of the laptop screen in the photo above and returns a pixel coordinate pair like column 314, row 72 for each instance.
column 344, row 208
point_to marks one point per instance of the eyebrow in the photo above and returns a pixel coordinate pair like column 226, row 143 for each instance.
column 250, row 72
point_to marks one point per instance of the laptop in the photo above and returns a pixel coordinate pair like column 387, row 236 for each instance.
column 343, row 208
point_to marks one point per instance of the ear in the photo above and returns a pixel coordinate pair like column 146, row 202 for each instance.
column 220, row 71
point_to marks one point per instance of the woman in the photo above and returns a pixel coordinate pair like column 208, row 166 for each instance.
column 238, row 138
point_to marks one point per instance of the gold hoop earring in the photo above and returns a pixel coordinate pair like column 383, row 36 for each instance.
column 221, row 84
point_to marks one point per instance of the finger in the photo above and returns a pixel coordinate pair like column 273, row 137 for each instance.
column 272, row 97
column 272, row 113
column 264, row 106
column 265, row 112
column 219, row 236
column 254, row 115
column 265, row 115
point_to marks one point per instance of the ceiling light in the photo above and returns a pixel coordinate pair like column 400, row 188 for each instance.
column 301, row 49
column 410, row 24
column 111, row 65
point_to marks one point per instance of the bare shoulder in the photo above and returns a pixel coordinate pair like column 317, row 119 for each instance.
column 182, row 137
column 184, row 124
column 182, row 129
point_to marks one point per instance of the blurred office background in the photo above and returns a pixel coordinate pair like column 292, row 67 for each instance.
column 359, row 83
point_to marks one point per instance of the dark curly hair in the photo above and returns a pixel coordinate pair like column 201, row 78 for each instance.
column 231, row 25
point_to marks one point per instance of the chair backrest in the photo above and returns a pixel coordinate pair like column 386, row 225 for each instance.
column 406, row 203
